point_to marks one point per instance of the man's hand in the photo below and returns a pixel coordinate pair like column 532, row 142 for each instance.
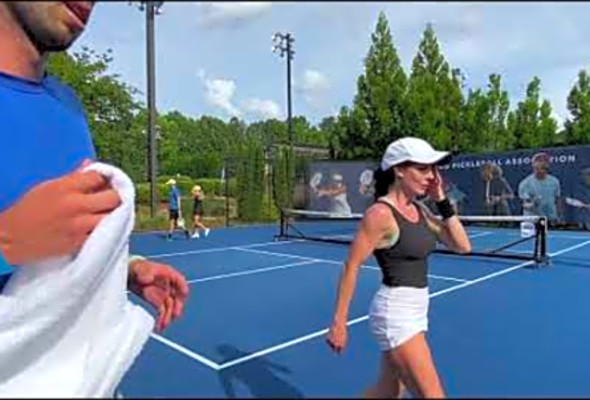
column 160, row 285
column 55, row 217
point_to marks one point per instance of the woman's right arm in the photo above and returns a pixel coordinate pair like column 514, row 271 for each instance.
column 376, row 224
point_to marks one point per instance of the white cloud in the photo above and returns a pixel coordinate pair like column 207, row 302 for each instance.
column 230, row 13
column 263, row 109
column 314, row 86
column 220, row 93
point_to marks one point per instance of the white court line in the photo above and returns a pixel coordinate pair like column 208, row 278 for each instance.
column 351, row 236
column 213, row 250
column 568, row 249
column 218, row 367
column 286, row 344
column 504, row 271
column 558, row 236
column 551, row 235
column 216, row 229
column 248, row 246
column 186, row 351
column 480, row 234
column 444, row 278
column 366, row 317
column 447, row 278
column 252, row 271
column 353, row 322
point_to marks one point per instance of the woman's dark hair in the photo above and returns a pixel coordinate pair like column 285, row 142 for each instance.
column 383, row 180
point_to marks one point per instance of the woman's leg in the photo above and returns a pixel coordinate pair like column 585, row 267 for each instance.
column 416, row 367
column 195, row 226
column 389, row 384
column 198, row 224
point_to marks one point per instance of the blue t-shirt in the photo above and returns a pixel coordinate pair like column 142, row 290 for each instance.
column 543, row 193
column 173, row 200
column 44, row 135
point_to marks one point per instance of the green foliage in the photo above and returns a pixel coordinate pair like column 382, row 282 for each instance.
column 144, row 222
column 142, row 193
column 183, row 182
column 430, row 101
column 378, row 115
column 109, row 105
column 475, row 118
column 497, row 136
column 250, row 181
column 531, row 124
column 577, row 128
column 484, row 117
column 434, row 96
column 283, row 177
column 211, row 186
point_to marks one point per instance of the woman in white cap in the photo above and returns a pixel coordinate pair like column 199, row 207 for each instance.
column 401, row 233
column 198, row 197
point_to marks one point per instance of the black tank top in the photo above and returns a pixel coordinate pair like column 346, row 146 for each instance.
column 404, row 263
column 197, row 204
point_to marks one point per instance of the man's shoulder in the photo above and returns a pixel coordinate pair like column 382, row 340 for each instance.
column 527, row 179
column 63, row 93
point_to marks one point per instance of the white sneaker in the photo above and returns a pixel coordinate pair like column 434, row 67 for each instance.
column 206, row 232
column 195, row 235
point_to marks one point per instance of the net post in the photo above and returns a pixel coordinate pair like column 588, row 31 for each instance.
column 282, row 228
column 543, row 225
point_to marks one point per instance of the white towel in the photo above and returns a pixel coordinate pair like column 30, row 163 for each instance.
column 67, row 328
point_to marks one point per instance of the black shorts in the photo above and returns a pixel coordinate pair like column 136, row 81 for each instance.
column 173, row 215
column 198, row 210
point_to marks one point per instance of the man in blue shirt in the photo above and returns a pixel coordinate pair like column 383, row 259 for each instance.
column 540, row 192
column 174, row 210
column 48, row 206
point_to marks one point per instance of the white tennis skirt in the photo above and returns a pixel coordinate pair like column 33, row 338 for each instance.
column 397, row 314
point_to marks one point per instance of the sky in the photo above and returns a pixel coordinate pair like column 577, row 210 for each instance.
column 215, row 58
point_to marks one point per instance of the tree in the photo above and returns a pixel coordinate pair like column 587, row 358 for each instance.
column 547, row 129
column 283, row 189
column 250, row 177
column 434, row 95
column 340, row 135
column 499, row 138
column 484, row 118
column 577, row 128
column 327, row 127
column 475, row 121
column 531, row 124
column 377, row 116
column 109, row 105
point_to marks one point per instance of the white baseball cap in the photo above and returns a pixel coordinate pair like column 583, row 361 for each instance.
column 414, row 150
column 171, row 182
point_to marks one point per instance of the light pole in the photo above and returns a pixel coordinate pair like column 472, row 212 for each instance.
column 151, row 8
column 283, row 44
